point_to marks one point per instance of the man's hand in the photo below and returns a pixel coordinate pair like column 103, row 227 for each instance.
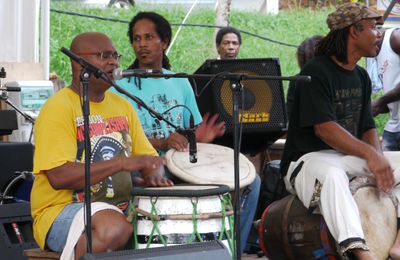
column 378, row 108
column 208, row 130
column 177, row 141
column 142, row 163
column 153, row 181
column 382, row 171
column 151, row 168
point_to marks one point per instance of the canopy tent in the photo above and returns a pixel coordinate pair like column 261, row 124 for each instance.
column 25, row 28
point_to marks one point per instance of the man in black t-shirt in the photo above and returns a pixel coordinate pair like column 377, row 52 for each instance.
column 332, row 135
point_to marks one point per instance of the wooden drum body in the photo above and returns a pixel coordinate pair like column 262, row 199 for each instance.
column 288, row 231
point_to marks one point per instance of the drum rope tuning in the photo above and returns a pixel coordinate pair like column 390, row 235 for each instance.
column 205, row 212
column 226, row 211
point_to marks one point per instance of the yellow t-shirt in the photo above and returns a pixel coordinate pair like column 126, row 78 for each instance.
column 115, row 130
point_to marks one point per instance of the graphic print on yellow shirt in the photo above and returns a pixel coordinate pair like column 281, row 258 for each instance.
column 109, row 138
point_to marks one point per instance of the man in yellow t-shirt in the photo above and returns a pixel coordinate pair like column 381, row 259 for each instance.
column 119, row 146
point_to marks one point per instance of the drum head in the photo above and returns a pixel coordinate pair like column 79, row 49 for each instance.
column 378, row 219
column 214, row 166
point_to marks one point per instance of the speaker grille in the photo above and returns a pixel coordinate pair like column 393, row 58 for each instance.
column 263, row 114
column 267, row 111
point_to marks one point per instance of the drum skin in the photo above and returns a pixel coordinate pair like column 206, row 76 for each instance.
column 378, row 219
column 288, row 231
column 215, row 165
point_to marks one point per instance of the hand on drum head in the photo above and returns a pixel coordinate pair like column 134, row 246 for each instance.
column 143, row 163
column 177, row 142
column 382, row 171
column 151, row 168
column 153, row 181
column 208, row 130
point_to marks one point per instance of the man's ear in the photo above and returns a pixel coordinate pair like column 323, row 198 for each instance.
column 218, row 49
column 353, row 32
column 165, row 44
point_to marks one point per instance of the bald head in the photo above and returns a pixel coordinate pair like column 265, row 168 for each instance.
column 87, row 44
column 97, row 49
column 89, row 41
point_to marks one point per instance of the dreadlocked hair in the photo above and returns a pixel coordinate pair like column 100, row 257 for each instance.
column 334, row 43
column 163, row 29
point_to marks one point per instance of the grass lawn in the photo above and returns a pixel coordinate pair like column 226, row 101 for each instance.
column 193, row 44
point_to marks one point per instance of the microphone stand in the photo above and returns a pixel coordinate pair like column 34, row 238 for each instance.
column 4, row 97
column 84, row 77
column 87, row 71
column 237, row 88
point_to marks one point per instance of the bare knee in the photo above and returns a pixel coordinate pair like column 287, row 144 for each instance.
column 111, row 230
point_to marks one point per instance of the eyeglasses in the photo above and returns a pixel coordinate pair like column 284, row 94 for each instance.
column 104, row 55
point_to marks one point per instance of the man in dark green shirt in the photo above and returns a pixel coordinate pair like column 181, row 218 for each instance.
column 332, row 135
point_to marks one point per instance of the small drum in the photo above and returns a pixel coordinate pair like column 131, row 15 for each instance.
column 182, row 214
column 288, row 231
column 214, row 166
column 18, row 188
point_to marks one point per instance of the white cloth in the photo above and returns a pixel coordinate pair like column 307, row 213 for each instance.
column 372, row 69
column 19, row 27
column 389, row 73
column 333, row 171
column 77, row 228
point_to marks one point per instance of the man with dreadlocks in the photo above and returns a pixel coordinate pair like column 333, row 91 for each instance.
column 332, row 135
column 150, row 35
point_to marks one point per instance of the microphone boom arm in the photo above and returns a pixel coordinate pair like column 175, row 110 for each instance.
column 142, row 104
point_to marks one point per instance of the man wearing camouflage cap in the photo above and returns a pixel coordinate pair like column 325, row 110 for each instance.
column 332, row 136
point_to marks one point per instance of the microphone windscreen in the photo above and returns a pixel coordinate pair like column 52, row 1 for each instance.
column 117, row 74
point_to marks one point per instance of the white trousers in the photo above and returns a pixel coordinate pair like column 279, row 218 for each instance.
column 331, row 171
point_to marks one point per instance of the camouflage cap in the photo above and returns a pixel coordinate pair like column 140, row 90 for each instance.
column 348, row 14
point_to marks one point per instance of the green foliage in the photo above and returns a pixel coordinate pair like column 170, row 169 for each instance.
column 193, row 44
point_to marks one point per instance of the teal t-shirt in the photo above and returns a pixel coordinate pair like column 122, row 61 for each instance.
column 162, row 94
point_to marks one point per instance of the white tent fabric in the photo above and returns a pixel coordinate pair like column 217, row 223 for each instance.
column 19, row 27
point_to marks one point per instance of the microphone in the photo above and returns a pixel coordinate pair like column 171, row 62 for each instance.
column 85, row 64
column 192, row 141
column 119, row 73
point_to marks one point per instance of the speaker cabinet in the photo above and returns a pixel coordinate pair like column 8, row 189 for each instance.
column 263, row 114
column 16, row 232
column 196, row 251
column 15, row 157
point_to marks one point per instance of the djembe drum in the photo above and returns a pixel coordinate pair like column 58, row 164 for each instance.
column 289, row 231
column 182, row 214
column 214, row 166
